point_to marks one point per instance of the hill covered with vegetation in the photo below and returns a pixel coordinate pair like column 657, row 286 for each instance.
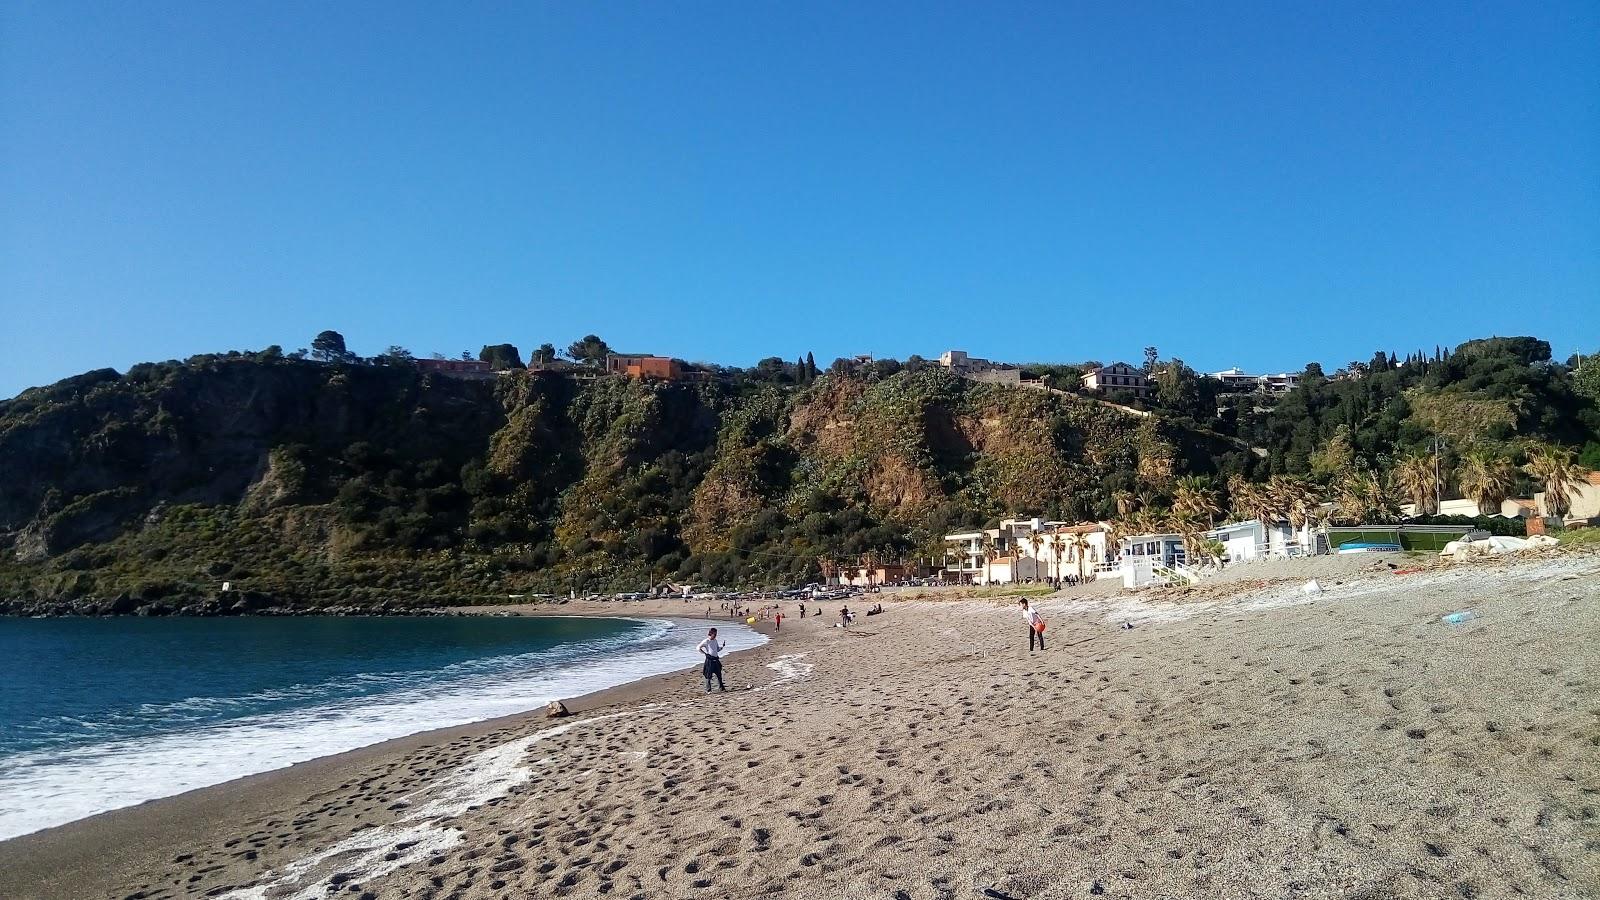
column 345, row 482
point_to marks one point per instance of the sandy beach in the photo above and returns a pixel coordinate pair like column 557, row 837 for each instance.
column 1242, row 739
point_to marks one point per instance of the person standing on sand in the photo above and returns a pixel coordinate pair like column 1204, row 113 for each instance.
column 711, row 649
column 779, row 621
column 1035, row 621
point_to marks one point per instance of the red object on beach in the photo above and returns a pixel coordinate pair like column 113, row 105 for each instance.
column 1039, row 627
column 1406, row 571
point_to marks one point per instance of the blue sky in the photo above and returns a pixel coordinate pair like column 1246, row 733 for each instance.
column 1251, row 184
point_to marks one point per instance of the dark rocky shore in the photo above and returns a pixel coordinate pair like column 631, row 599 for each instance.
column 231, row 603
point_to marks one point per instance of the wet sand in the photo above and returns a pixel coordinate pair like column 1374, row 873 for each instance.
column 1253, row 742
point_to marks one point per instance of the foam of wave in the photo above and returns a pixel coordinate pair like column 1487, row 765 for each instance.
column 790, row 668
column 190, row 712
column 50, row 787
column 375, row 852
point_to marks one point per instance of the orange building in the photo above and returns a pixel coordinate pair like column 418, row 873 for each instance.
column 644, row 366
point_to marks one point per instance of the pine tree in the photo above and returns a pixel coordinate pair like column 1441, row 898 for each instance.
column 811, row 367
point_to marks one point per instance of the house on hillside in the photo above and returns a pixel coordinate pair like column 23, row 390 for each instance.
column 1118, row 377
column 957, row 362
column 1237, row 381
column 641, row 365
column 457, row 368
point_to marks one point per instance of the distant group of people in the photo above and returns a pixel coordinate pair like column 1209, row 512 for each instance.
column 712, row 648
column 734, row 610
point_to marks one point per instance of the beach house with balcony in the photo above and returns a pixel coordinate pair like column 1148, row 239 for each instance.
column 1251, row 539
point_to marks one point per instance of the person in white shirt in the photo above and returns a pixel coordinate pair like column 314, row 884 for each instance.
column 711, row 649
column 1034, row 621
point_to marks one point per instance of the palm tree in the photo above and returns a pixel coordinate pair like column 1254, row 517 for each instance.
column 1116, row 529
column 1360, row 497
column 1553, row 467
column 1124, row 501
column 990, row 554
column 1194, row 495
column 1147, row 520
column 1295, row 498
column 1058, row 547
column 1486, row 477
column 1257, row 501
column 1188, row 526
column 1241, row 493
column 1035, row 540
column 1413, row 475
column 1080, row 547
column 953, row 548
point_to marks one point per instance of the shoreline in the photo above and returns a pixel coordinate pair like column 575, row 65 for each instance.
column 1247, row 740
column 123, row 830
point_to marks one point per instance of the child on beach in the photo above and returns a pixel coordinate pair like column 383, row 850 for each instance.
column 1035, row 624
column 711, row 649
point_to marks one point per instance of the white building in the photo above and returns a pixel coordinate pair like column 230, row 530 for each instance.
column 1508, row 509
column 964, row 556
column 1118, row 377
column 1237, row 380
column 958, row 362
column 1163, row 549
column 1081, row 551
column 1061, row 550
column 1250, row 539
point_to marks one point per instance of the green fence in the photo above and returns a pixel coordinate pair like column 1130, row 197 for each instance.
column 1409, row 537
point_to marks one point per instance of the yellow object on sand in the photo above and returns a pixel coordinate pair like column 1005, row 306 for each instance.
column 750, row 621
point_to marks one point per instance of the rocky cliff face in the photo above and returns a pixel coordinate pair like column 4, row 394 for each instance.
column 314, row 484
column 88, row 457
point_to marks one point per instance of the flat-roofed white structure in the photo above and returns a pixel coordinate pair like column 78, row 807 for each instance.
column 1238, row 380
column 1062, row 549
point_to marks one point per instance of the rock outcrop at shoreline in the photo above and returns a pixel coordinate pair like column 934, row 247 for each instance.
column 242, row 603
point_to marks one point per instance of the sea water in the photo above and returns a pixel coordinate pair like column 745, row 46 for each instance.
column 98, row 714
